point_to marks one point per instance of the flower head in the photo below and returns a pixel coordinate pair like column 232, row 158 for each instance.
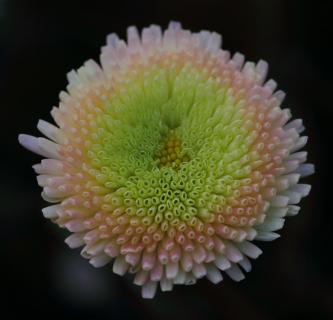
column 170, row 158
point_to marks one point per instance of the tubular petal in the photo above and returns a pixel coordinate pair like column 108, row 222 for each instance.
column 170, row 157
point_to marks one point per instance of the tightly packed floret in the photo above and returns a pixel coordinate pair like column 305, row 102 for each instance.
column 170, row 158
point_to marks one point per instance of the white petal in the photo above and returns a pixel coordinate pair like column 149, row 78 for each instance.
column 54, row 193
column 51, row 211
column 100, row 260
column 277, row 212
column 300, row 144
column 297, row 124
column 72, row 77
column 140, row 278
column 280, row 95
column 279, row 201
column 292, row 178
column 292, row 134
column 190, row 279
column 249, row 70
column 96, row 248
column 290, row 166
column 266, row 236
column 43, row 179
column 199, row 271
column 133, row 259
column 233, row 254
column 49, row 167
column 293, row 210
column 49, row 198
column 31, row 143
column 294, row 197
column 281, row 183
column 214, row 42
column 153, row 35
column 149, row 289
column 271, row 224
column 251, row 233
column 222, row 262
column 133, row 39
column 306, row 170
column 235, row 273
column 148, row 261
column 120, row 266
column 186, row 262
column 199, row 254
column 303, row 189
column 250, row 249
column 84, row 253
column 51, row 132
column 262, row 69
column 271, row 85
column 111, row 250
column 301, row 156
column 213, row 274
column 171, row 270
column 75, row 240
column 93, row 70
column 49, row 148
column 166, row 284
column 180, row 278
column 156, row 32
column 174, row 25
column 75, row 226
column 245, row 264
column 112, row 40
column 238, row 58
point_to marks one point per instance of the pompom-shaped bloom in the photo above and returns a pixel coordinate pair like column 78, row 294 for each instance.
column 170, row 158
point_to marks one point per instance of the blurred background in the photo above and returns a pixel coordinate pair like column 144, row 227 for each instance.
column 40, row 41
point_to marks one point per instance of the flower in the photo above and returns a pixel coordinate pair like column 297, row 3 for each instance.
column 170, row 158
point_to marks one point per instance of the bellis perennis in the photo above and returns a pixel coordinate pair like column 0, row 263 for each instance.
column 169, row 158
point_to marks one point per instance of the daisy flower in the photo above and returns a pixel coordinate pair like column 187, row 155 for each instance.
column 169, row 158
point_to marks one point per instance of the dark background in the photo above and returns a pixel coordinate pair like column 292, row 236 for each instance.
column 40, row 41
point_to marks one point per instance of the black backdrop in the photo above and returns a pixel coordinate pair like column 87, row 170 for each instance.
column 40, row 41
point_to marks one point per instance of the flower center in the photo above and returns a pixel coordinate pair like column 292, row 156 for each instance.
column 170, row 154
